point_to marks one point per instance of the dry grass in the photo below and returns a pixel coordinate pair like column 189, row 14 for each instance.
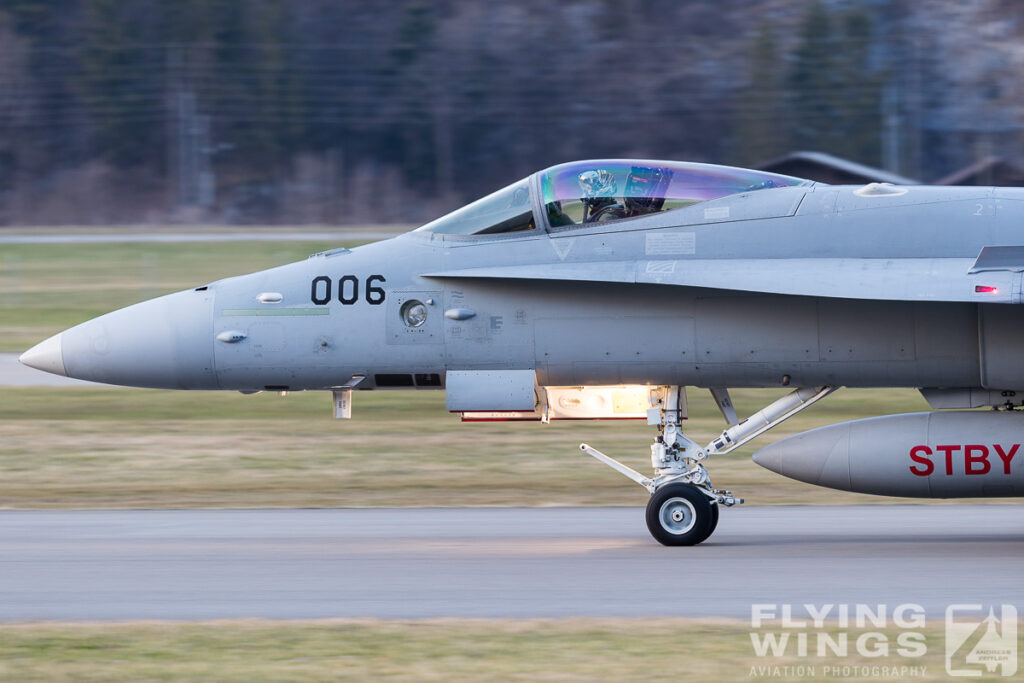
column 432, row 650
column 126, row 448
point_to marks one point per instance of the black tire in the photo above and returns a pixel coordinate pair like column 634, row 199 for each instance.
column 679, row 514
column 714, row 518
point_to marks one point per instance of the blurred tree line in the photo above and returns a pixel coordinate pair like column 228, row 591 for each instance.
column 352, row 111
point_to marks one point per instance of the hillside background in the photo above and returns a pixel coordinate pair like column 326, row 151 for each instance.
column 353, row 111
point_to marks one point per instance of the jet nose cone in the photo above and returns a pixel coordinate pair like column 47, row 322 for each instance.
column 163, row 343
column 47, row 355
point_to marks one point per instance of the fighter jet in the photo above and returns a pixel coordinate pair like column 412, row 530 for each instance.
column 602, row 289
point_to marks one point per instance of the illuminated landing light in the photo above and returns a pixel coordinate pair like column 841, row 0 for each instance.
column 985, row 289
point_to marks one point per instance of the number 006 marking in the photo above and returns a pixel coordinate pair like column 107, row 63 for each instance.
column 322, row 290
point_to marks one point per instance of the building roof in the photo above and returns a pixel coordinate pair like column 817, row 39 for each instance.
column 832, row 169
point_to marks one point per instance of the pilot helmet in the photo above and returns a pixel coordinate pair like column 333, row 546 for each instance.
column 597, row 183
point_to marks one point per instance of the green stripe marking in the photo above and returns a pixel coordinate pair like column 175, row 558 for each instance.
column 235, row 312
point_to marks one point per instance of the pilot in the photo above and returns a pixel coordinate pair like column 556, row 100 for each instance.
column 599, row 190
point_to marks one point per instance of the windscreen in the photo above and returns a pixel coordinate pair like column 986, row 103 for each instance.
column 507, row 210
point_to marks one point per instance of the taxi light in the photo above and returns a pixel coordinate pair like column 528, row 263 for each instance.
column 985, row 289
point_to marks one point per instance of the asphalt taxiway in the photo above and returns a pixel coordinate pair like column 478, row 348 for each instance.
column 493, row 562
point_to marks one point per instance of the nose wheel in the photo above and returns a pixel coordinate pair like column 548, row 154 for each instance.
column 681, row 514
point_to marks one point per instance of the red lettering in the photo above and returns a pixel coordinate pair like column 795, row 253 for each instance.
column 976, row 460
column 1006, row 457
column 971, row 460
column 948, row 450
column 929, row 466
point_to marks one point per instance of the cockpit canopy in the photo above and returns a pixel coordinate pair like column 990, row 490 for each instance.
column 603, row 191
column 589, row 192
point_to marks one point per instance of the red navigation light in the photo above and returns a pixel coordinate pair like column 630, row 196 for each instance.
column 985, row 289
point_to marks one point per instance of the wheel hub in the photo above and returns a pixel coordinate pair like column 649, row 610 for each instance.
column 677, row 515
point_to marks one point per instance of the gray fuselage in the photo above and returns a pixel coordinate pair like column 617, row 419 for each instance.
column 607, row 304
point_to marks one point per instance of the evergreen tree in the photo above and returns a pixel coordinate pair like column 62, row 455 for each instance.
column 834, row 94
column 860, row 93
column 414, row 69
column 119, row 88
column 812, row 83
column 760, row 130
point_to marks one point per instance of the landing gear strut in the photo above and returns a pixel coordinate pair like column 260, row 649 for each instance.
column 683, row 508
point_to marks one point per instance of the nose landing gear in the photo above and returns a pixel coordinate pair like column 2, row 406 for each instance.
column 684, row 507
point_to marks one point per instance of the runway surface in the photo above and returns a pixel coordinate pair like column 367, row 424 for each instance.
column 542, row 562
